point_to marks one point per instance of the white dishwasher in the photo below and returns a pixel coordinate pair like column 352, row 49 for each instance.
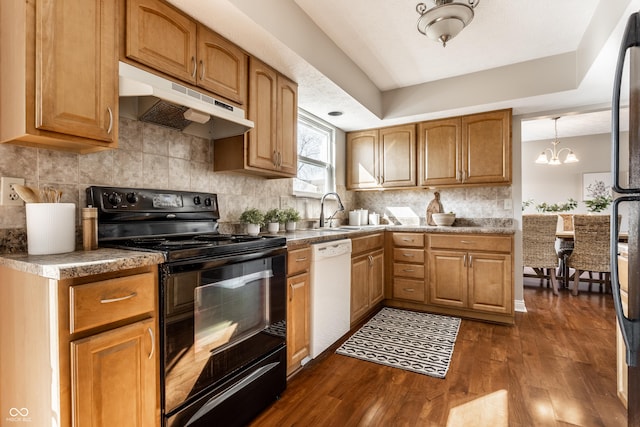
column 330, row 293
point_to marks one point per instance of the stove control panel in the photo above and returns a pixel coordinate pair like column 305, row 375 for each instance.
column 162, row 202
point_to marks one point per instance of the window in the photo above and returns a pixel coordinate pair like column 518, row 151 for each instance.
column 316, row 157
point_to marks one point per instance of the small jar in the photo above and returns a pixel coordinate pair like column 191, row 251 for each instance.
column 89, row 228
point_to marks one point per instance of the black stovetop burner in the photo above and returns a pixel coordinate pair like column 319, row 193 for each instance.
column 179, row 224
column 193, row 247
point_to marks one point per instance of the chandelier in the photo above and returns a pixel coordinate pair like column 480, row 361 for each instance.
column 445, row 20
column 555, row 160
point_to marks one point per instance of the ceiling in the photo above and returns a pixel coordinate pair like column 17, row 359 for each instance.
column 365, row 58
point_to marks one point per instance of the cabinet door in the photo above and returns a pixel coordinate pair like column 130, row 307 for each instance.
column 287, row 127
column 362, row 160
column 159, row 36
column 448, row 278
column 439, row 152
column 490, row 282
column 76, row 75
column 398, row 148
column 360, row 271
column 222, row 66
column 486, row 147
column 376, row 279
column 113, row 377
column 298, row 318
column 262, row 110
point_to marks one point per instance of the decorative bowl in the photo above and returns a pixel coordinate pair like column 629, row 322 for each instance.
column 443, row 219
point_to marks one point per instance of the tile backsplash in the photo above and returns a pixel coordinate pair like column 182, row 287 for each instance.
column 155, row 157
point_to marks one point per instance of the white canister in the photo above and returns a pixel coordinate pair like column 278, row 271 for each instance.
column 364, row 217
column 354, row 217
column 51, row 228
column 374, row 219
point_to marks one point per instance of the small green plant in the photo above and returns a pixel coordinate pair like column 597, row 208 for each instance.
column 252, row 216
column 291, row 215
column 563, row 207
column 527, row 203
column 600, row 197
column 274, row 215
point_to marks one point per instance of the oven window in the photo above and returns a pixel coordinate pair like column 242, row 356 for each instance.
column 231, row 310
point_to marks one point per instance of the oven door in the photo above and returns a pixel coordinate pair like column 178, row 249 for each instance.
column 219, row 317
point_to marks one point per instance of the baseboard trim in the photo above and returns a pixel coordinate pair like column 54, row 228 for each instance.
column 519, row 306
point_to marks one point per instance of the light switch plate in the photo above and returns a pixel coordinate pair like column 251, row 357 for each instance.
column 8, row 195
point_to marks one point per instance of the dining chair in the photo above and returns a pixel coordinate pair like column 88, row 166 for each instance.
column 591, row 250
column 538, row 246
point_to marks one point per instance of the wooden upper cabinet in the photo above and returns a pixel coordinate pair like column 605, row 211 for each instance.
column 398, row 151
column 270, row 149
column 439, row 151
column 381, row 158
column 222, row 66
column 59, row 74
column 362, row 159
column 161, row 37
column 287, row 126
column 486, row 147
column 473, row 149
column 263, row 92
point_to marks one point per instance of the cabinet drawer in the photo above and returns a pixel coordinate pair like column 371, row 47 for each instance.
column 408, row 270
column 408, row 289
column 408, row 255
column 471, row 242
column 99, row 303
column 413, row 240
column 366, row 243
column 298, row 260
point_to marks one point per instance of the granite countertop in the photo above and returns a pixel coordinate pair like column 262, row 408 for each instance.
column 80, row 263
column 300, row 237
column 86, row 263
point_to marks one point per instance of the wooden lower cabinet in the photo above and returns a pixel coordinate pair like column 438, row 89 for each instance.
column 473, row 274
column 298, row 307
column 104, row 374
column 622, row 386
column 367, row 275
column 466, row 275
column 408, row 266
column 117, row 366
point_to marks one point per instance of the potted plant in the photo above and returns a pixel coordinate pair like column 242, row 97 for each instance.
column 600, row 198
column 273, row 218
column 254, row 218
column 562, row 207
column 291, row 217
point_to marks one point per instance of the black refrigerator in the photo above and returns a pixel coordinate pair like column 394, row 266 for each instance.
column 627, row 194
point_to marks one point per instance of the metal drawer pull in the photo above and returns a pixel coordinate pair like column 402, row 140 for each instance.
column 408, row 270
column 409, row 255
column 466, row 242
column 110, row 300
column 153, row 342
column 470, row 261
column 201, row 70
column 408, row 289
column 110, row 128
column 304, row 258
column 406, row 239
column 195, row 69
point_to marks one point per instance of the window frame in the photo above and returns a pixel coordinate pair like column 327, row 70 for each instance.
column 320, row 125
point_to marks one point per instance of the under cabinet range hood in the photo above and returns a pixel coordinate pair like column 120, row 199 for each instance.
column 150, row 98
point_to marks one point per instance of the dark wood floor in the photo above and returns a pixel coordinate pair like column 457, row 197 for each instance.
column 555, row 367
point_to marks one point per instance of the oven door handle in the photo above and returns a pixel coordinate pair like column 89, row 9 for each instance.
column 217, row 400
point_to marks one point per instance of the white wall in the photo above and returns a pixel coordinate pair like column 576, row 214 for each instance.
column 556, row 184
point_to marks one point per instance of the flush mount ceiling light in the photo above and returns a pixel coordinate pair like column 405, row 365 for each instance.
column 445, row 20
column 555, row 160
